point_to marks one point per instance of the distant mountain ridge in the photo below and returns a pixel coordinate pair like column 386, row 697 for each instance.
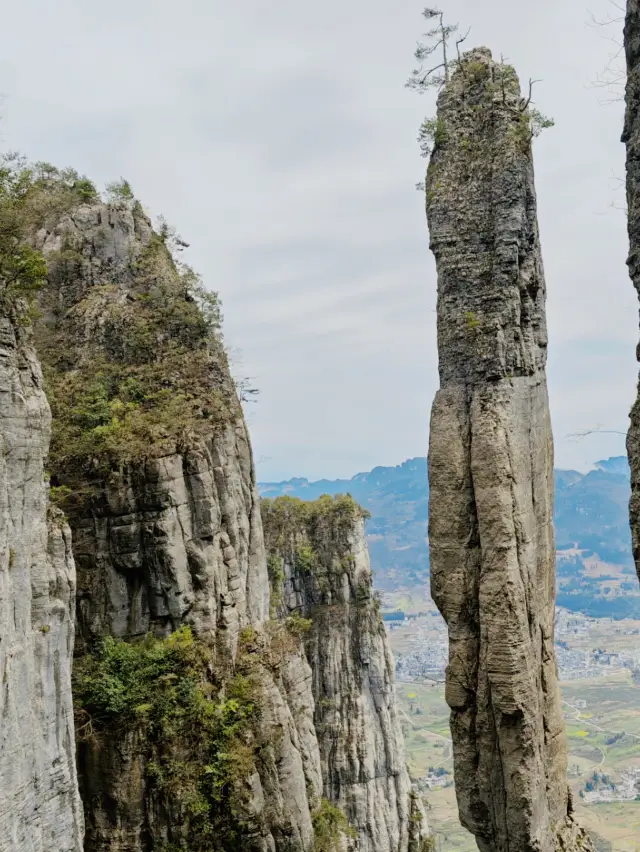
column 595, row 564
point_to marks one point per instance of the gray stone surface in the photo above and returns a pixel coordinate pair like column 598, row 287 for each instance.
column 356, row 717
column 491, row 470
column 631, row 138
column 174, row 539
column 40, row 809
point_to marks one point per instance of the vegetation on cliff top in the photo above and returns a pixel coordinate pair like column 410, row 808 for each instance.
column 195, row 737
column 154, row 381
column 472, row 68
column 134, row 368
column 25, row 203
column 310, row 535
column 327, row 520
column 132, row 352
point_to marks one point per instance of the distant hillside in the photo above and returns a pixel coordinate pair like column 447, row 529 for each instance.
column 595, row 565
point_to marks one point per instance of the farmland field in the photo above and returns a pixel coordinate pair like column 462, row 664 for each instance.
column 602, row 718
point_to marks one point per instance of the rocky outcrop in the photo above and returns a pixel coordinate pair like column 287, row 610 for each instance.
column 40, row 808
column 319, row 570
column 491, row 468
column 171, row 532
column 152, row 462
column 631, row 138
column 195, row 708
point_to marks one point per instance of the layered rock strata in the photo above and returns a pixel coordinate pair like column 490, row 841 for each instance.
column 491, row 468
column 631, row 138
column 40, row 808
column 196, row 718
column 153, row 465
column 319, row 570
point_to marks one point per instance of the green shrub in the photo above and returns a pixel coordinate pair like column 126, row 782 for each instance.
column 196, row 739
column 153, row 379
column 119, row 190
column 329, row 826
column 432, row 133
column 297, row 625
column 305, row 559
column 471, row 320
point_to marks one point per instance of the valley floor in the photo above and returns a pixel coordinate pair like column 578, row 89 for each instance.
column 599, row 664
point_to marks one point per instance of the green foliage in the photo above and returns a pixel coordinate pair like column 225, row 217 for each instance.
column 330, row 825
column 196, row 740
column 433, row 132
column 539, row 122
column 314, row 536
column 305, row 559
column 152, row 381
column 29, row 196
column 297, row 625
column 119, row 190
column 58, row 494
column 477, row 71
column 528, row 126
column 471, row 320
column 275, row 570
column 22, row 269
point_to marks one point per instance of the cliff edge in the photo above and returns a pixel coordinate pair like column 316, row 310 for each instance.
column 319, row 570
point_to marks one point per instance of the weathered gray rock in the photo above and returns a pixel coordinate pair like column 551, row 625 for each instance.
column 320, row 570
column 171, row 535
column 40, row 809
column 631, row 137
column 491, row 469
column 167, row 531
column 177, row 538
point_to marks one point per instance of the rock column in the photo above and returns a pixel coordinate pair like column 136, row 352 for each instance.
column 40, row 808
column 631, row 137
column 491, row 469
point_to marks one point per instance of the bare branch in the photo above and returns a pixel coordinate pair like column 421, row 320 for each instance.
column 614, row 75
column 596, row 431
column 459, row 42
column 528, row 100
column 420, row 79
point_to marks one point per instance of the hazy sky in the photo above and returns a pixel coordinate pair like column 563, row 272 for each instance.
column 278, row 138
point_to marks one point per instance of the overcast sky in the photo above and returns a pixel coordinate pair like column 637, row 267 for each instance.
column 279, row 140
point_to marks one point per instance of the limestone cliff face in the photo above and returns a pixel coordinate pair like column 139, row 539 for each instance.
column 491, row 469
column 631, row 137
column 319, row 567
column 177, row 537
column 152, row 458
column 40, row 808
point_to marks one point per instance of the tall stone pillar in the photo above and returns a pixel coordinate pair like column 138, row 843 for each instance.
column 491, row 469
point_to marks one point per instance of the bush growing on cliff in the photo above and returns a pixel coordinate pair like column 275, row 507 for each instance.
column 22, row 269
column 330, row 825
column 151, row 379
column 195, row 740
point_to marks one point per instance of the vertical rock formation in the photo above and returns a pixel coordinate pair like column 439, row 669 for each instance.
column 631, row 137
column 196, row 720
column 40, row 808
column 319, row 570
column 204, row 733
column 491, row 469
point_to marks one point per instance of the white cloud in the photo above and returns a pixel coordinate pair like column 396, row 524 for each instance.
column 279, row 139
